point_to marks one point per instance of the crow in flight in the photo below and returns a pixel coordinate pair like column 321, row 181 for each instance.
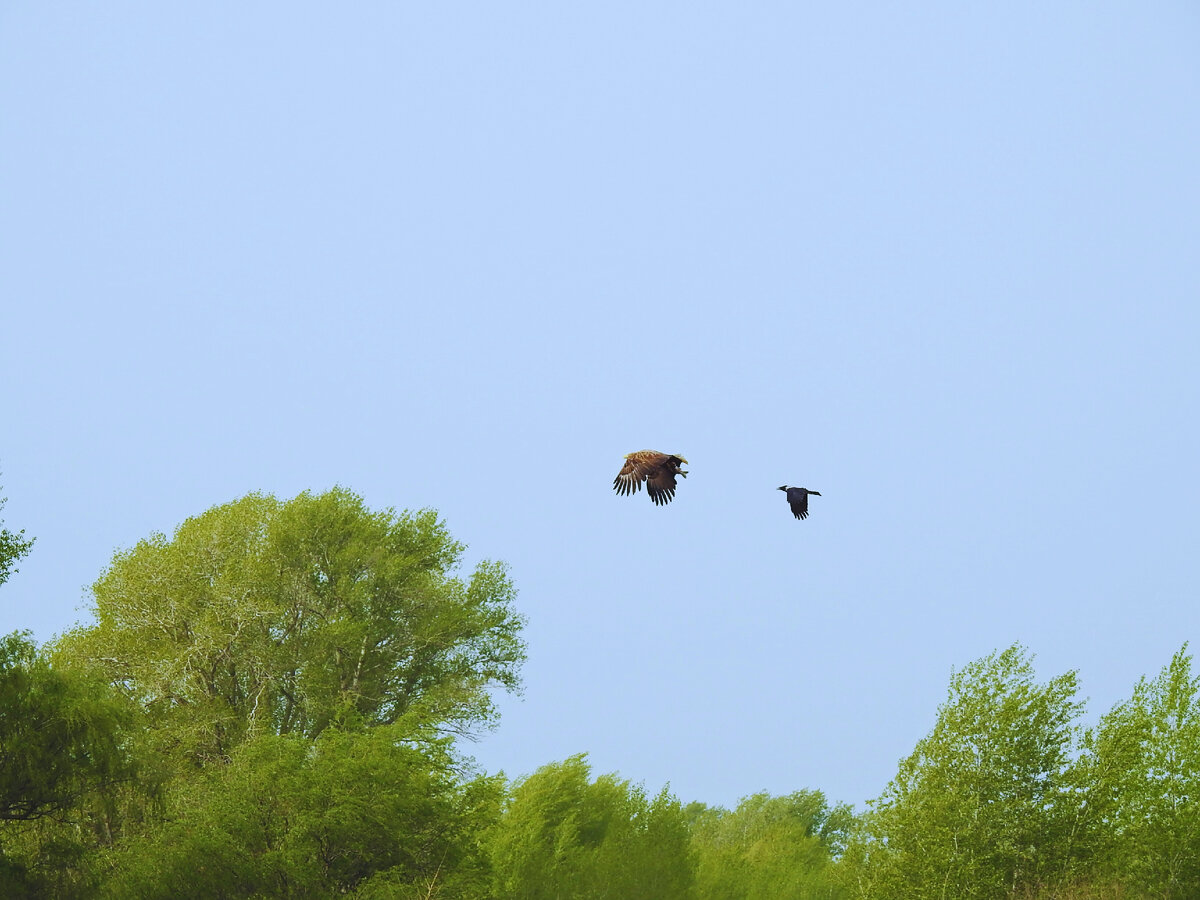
column 798, row 499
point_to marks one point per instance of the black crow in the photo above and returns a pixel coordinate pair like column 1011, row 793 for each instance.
column 798, row 500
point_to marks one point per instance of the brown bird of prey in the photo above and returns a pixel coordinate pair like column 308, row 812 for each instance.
column 658, row 470
column 798, row 499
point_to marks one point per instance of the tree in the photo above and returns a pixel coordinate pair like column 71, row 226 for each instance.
column 563, row 835
column 12, row 548
column 769, row 847
column 381, row 809
column 981, row 808
column 1142, row 776
column 63, row 743
column 61, row 735
column 285, row 617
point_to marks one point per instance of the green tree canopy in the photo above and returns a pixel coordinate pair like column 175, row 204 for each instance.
column 294, row 817
column 563, row 835
column 769, row 848
column 61, row 734
column 284, row 617
column 63, row 753
column 978, row 810
column 1141, row 780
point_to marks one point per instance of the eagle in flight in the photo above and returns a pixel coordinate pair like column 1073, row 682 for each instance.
column 658, row 470
column 798, row 499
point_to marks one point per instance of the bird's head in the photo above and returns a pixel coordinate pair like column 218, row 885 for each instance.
column 683, row 462
column 782, row 487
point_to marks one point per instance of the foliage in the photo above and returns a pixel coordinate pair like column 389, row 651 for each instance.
column 563, row 835
column 63, row 739
column 1142, row 770
column 769, row 847
column 980, row 808
column 286, row 617
column 59, row 735
column 268, row 701
column 13, row 546
column 290, row 817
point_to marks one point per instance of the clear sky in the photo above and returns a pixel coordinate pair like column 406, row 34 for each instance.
column 940, row 262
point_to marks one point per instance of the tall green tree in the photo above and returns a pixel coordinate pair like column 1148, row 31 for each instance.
column 1141, row 781
column 564, row 835
column 770, row 848
column 981, row 808
column 265, row 616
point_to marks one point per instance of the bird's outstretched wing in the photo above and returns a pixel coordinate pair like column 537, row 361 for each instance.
column 661, row 484
column 633, row 473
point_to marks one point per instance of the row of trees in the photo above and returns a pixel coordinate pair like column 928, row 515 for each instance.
column 1008, row 796
column 268, row 704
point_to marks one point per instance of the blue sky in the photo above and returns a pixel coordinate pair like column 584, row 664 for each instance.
column 939, row 264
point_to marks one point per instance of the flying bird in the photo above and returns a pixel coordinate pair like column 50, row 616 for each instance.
column 658, row 470
column 798, row 499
